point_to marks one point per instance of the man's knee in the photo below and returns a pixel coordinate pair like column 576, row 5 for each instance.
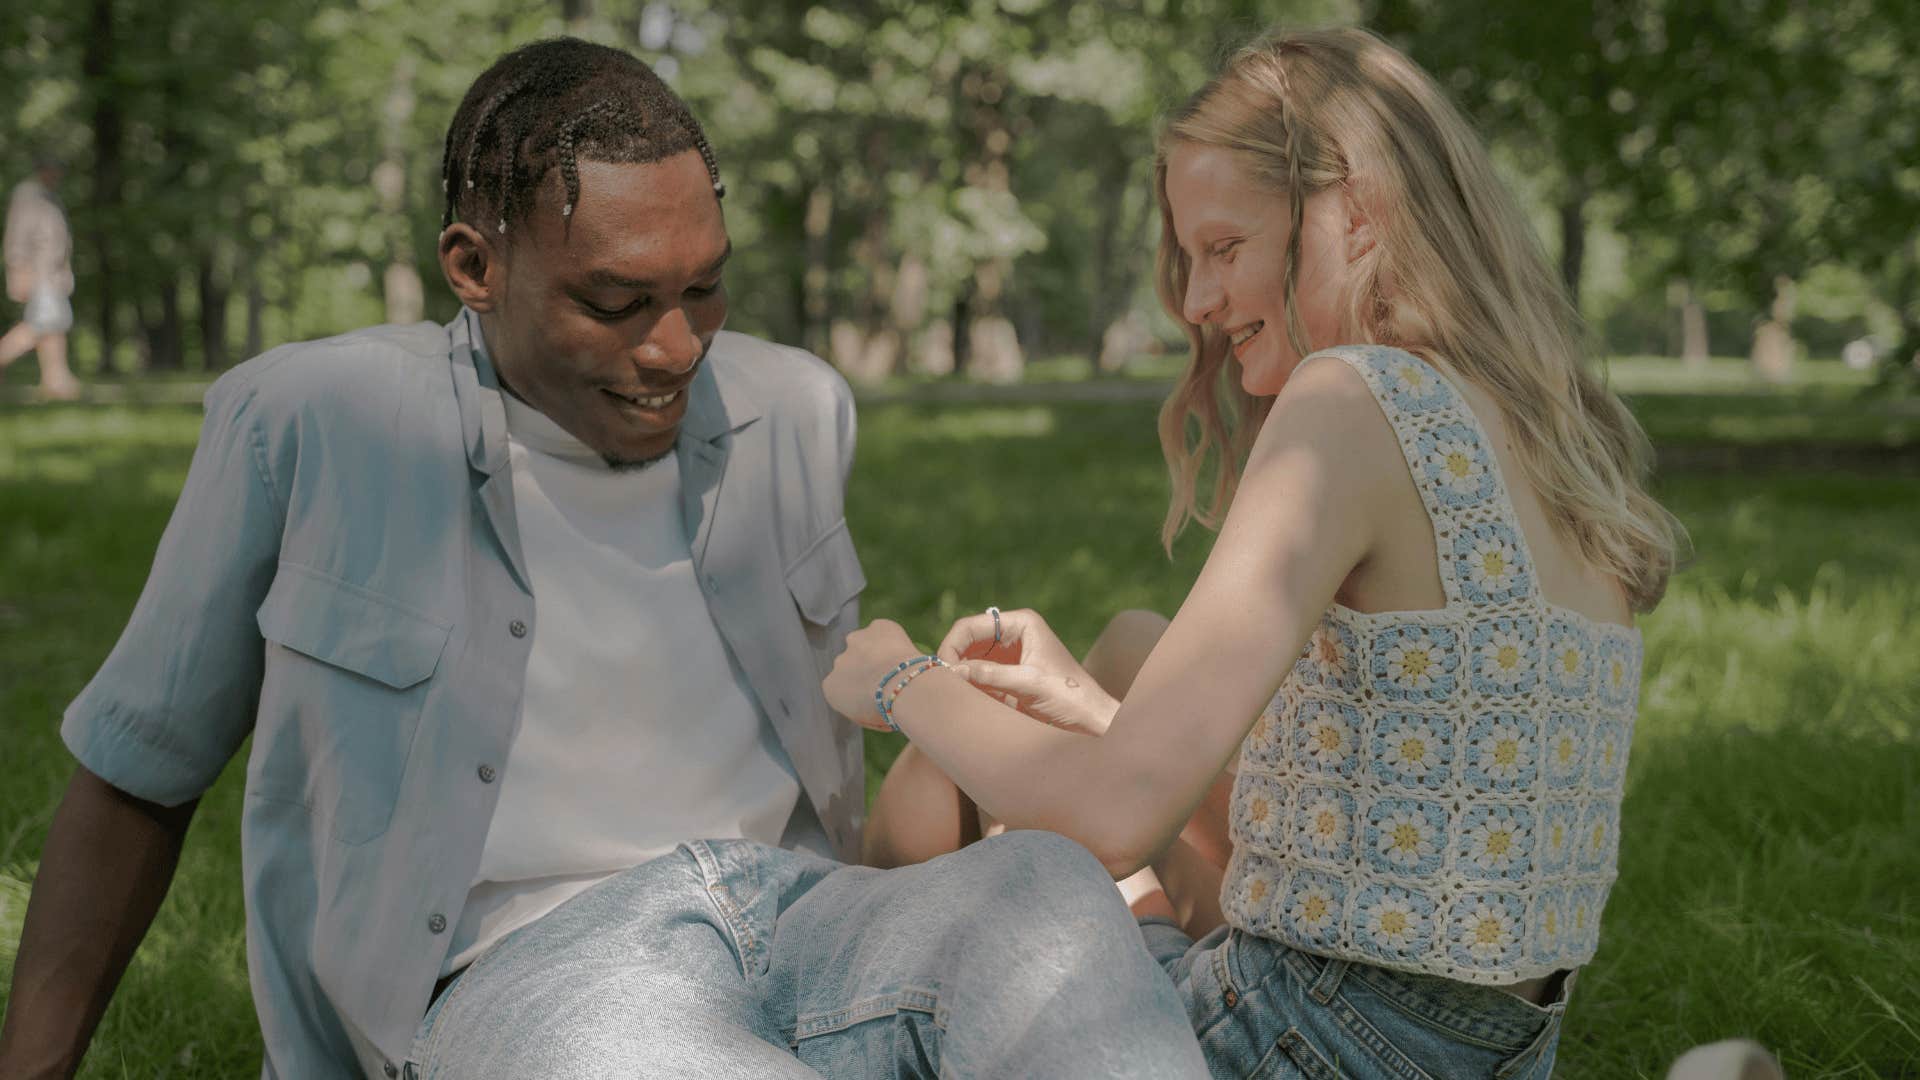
column 1030, row 873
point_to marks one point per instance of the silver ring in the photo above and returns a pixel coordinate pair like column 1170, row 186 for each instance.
column 995, row 612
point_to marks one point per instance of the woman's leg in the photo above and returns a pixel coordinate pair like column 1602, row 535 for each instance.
column 919, row 813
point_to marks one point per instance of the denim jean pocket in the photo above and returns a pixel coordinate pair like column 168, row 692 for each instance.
column 1300, row 1015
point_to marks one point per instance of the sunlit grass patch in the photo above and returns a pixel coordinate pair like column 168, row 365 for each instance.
column 1771, row 835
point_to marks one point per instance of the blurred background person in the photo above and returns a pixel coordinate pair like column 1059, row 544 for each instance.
column 39, row 255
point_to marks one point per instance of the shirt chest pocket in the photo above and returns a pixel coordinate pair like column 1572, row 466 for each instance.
column 347, row 674
column 823, row 582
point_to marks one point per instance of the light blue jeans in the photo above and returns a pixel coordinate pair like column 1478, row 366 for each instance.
column 1014, row 957
column 1262, row 1009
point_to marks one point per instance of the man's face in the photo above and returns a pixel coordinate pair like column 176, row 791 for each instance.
column 603, row 317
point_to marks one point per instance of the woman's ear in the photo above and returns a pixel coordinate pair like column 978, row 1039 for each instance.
column 472, row 266
column 1357, row 204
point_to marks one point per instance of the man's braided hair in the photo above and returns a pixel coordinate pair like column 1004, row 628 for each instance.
column 551, row 105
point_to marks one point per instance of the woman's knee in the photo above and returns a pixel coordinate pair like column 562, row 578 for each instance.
column 1122, row 647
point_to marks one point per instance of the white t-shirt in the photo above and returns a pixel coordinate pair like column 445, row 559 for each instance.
column 636, row 731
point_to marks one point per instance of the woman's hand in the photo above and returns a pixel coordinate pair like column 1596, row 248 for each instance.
column 872, row 651
column 1029, row 669
column 1073, row 702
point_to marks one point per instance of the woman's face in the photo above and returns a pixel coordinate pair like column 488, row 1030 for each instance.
column 1234, row 233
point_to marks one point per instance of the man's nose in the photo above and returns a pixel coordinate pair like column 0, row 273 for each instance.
column 671, row 345
column 1204, row 297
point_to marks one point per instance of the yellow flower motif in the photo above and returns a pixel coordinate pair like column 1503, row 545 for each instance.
column 1257, row 890
column 1552, row 923
column 1326, row 740
column 1410, row 752
column 1393, row 921
column 1326, row 649
column 1314, row 907
column 1619, row 674
column 1570, row 660
column 1489, row 931
column 1564, row 750
column 1258, row 808
column 1326, row 826
column 1406, row 837
column 1501, row 751
column 1557, row 836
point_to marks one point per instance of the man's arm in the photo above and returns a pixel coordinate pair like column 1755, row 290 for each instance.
column 108, row 861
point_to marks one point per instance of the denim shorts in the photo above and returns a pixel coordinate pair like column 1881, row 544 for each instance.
column 1262, row 1009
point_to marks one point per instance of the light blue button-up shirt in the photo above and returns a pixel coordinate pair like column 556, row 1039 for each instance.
column 342, row 578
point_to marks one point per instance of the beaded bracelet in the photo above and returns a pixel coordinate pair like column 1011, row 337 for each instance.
column 883, row 701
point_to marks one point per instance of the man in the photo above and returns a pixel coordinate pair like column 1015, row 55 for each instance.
column 512, row 609
column 39, row 256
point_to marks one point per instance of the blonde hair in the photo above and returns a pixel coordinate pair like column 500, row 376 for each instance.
column 1455, row 273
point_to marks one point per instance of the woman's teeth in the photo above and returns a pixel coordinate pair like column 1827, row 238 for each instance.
column 1245, row 334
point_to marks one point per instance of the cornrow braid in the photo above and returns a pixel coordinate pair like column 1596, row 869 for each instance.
column 569, row 161
column 548, row 106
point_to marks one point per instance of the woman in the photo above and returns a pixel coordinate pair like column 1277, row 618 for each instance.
column 1412, row 641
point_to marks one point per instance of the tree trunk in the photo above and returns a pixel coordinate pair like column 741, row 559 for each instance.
column 816, row 278
column 1116, row 334
column 1573, row 240
column 213, row 314
column 1694, row 348
column 990, row 350
column 97, row 62
column 1773, row 341
column 256, row 305
column 405, row 295
column 162, row 328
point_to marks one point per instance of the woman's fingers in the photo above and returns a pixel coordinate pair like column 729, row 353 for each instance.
column 1016, row 679
column 972, row 637
column 966, row 633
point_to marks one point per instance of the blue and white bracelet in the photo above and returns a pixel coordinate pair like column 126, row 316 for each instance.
column 883, row 701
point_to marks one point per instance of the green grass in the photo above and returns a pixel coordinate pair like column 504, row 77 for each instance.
column 1772, row 824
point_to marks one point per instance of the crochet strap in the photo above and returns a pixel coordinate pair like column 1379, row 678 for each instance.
column 1482, row 552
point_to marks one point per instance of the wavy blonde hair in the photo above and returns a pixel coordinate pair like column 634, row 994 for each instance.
column 1455, row 273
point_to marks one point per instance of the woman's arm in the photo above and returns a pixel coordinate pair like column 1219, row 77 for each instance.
column 1302, row 521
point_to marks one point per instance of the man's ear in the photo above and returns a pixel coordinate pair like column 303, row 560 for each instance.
column 473, row 265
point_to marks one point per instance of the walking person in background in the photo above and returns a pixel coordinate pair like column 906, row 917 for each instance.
column 39, row 254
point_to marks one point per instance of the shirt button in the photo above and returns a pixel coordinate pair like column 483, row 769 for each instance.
column 517, row 628
column 389, row 1069
column 436, row 922
column 487, row 774
column 1232, row 999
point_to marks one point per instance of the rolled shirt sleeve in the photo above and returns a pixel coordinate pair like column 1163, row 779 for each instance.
column 177, row 695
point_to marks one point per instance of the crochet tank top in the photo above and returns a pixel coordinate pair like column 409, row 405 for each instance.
column 1439, row 791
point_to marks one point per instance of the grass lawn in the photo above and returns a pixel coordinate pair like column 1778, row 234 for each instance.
column 1771, row 840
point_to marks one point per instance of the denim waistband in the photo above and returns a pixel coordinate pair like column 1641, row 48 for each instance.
column 1479, row 1014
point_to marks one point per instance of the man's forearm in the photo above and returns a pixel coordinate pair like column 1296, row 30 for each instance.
column 108, row 861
